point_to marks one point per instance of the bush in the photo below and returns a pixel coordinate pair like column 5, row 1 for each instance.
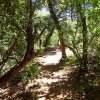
column 31, row 71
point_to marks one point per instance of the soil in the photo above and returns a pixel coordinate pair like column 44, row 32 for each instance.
column 56, row 82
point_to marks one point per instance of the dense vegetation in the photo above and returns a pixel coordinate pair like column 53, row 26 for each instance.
column 30, row 27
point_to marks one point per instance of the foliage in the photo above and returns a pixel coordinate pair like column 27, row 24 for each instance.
column 77, row 21
column 31, row 71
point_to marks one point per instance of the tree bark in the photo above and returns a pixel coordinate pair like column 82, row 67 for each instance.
column 85, row 42
column 29, row 55
column 56, row 22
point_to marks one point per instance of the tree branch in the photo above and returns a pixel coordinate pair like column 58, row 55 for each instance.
column 7, row 54
column 94, row 36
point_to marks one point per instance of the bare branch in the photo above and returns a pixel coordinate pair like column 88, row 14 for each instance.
column 7, row 54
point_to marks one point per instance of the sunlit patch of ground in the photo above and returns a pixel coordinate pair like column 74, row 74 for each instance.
column 54, row 58
column 50, row 85
column 47, row 83
column 54, row 83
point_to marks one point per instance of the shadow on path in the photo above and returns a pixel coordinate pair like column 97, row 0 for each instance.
column 54, row 83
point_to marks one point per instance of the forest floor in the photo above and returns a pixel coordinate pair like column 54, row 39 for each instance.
column 56, row 82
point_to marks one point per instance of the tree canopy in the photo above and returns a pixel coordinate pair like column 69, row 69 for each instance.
column 29, row 27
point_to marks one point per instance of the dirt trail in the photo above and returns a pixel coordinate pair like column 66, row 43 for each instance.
column 53, row 84
column 52, row 57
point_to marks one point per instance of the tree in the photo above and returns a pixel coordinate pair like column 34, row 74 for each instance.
column 21, row 28
column 56, row 22
column 29, row 55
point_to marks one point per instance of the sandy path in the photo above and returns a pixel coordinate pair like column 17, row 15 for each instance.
column 52, row 57
column 51, row 85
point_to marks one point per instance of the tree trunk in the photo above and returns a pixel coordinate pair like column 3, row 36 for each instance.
column 27, row 58
column 56, row 22
column 85, row 40
column 29, row 55
column 48, row 38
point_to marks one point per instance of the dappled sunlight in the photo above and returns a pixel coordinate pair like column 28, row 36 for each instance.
column 69, row 52
column 61, row 74
column 47, row 81
column 55, row 82
column 51, row 84
column 49, row 49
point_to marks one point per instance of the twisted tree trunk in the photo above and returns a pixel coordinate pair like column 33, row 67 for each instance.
column 29, row 55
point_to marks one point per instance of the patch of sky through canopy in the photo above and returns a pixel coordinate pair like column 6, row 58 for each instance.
column 42, row 12
column 33, row 0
